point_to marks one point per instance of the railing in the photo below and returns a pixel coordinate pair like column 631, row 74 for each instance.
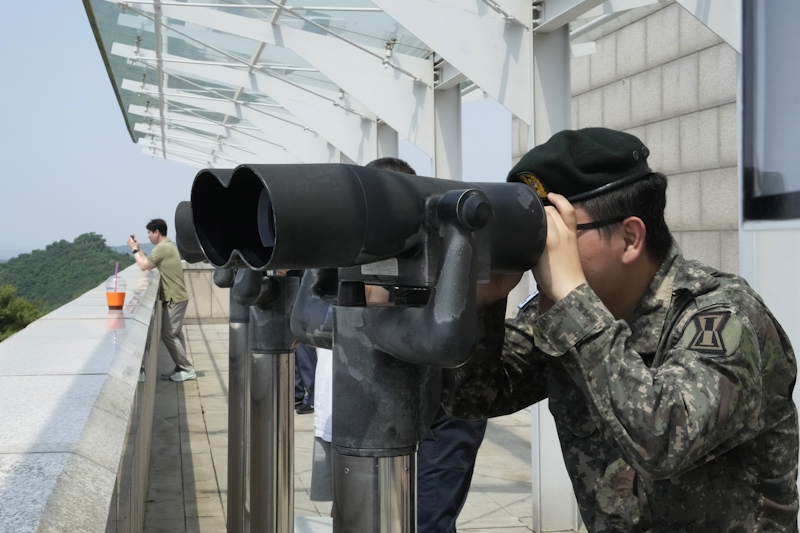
column 76, row 408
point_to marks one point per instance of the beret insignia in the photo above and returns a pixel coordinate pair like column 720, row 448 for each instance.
column 533, row 182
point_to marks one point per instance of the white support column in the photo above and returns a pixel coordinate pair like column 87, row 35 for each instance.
column 551, row 85
column 447, row 163
column 405, row 103
column 387, row 141
column 554, row 505
column 308, row 146
column 487, row 48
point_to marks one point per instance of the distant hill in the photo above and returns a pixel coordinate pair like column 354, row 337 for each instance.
column 63, row 270
column 146, row 247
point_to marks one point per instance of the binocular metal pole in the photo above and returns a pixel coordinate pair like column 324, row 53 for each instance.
column 238, row 405
column 375, row 494
column 238, row 410
column 272, row 408
column 374, row 467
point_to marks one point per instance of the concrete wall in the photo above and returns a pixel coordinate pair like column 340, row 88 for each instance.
column 661, row 75
column 207, row 302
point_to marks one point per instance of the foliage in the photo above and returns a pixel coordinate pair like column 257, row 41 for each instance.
column 15, row 312
column 62, row 270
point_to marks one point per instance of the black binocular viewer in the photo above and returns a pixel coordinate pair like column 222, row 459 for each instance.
column 385, row 225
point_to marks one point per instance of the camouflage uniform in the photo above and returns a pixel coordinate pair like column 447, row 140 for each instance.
column 679, row 419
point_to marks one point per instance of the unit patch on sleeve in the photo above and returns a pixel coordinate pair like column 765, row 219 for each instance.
column 709, row 327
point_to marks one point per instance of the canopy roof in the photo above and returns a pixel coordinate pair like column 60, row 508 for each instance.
column 216, row 83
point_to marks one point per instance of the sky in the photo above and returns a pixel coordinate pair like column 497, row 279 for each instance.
column 70, row 166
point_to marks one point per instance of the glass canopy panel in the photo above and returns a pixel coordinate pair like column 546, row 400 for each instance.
column 188, row 47
column 357, row 20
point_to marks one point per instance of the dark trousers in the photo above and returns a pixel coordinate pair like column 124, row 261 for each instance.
column 305, row 365
column 445, row 462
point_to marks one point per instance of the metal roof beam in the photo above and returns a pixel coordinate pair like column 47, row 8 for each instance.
column 400, row 102
column 478, row 42
column 178, row 146
column 557, row 13
column 351, row 133
column 278, row 10
column 615, row 6
column 184, row 159
column 308, row 146
column 202, row 159
column 268, row 152
column 258, row 6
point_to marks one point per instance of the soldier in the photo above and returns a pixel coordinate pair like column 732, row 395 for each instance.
column 670, row 382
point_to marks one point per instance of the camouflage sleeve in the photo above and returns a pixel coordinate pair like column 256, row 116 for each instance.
column 505, row 374
column 665, row 419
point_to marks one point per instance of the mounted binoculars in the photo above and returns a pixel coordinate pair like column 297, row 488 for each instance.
column 385, row 224
column 429, row 240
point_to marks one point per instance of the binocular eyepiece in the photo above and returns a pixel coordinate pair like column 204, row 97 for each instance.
column 269, row 217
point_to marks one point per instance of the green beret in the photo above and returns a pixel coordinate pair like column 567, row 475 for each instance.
column 582, row 164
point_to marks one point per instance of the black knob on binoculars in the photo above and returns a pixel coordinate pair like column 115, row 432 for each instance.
column 476, row 211
column 470, row 208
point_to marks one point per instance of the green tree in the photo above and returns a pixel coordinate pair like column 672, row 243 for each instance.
column 15, row 312
column 62, row 270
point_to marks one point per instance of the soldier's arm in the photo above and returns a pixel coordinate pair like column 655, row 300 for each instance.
column 505, row 374
column 699, row 401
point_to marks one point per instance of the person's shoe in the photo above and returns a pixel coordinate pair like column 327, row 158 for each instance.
column 182, row 375
column 168, row 375
column 298, row 403
column 304, row 409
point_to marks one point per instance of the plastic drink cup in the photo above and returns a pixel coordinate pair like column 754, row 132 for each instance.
column 116, row 300
column 115, row 292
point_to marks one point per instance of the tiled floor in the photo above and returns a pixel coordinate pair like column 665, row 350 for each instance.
column 188, row 469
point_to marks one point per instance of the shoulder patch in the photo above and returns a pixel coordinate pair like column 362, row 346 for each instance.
column 709, row 328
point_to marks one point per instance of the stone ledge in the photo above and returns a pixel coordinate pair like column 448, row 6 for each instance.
column 67, row 386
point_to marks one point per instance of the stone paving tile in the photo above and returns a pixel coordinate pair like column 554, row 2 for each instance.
column 190, row 451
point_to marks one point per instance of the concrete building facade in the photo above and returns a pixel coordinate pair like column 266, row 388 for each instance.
column 663, row 76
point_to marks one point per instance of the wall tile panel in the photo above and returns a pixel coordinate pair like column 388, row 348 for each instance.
column 679, row 81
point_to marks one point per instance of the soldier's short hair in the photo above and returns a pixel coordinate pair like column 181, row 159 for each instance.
column 391, row 163
column 646, row 199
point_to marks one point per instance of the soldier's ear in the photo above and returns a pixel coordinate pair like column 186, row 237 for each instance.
column 633, row 233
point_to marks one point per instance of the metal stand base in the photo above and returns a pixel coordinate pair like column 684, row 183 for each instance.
column 374, row 494
column 272, row 443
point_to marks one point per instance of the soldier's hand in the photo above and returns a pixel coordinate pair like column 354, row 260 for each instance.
column 559, row 269
column 497, row 289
